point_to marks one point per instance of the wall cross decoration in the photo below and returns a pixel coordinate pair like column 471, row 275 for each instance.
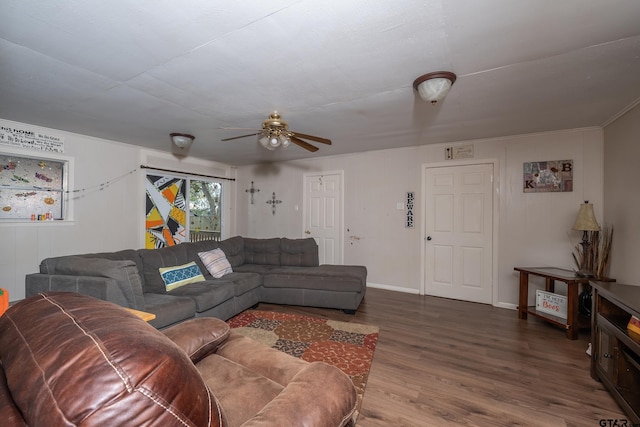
column 252, row 191
column 273, row 202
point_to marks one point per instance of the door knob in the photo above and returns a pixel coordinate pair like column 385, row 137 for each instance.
column 429, row 238
column 307, row 232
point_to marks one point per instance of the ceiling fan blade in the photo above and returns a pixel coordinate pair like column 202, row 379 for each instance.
column 238, row 137
column 303, row 144
column 226, row 128
column 313, row 138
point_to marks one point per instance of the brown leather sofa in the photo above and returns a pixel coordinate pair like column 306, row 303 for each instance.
column 72, row 360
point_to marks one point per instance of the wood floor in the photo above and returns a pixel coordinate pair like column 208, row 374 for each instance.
column 442, row 362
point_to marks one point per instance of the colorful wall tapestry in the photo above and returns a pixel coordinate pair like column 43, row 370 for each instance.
column 550, row 175
column 166, row 215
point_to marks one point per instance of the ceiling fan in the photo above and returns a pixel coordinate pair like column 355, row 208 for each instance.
column 275, row 133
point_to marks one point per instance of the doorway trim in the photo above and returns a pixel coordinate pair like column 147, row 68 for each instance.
column 495, row 222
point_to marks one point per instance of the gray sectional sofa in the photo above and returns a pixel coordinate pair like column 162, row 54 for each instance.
column 277, row 270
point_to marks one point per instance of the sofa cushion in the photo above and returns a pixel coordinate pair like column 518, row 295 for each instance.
column 193, row 248
column 199, row 337
column 242, row 392
column 207, row 294
column 299, row 252
column 180, row 275
column 124, row 272
column 169, row 309
column 216, row 262
column 262, row 251
column 48, row 265
column 154, row 259
column 244, row 282
column 234, row 250
column 339, row 278
column 11, row 416
column 70, row 359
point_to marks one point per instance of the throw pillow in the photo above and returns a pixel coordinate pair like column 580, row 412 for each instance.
column 180, row 275
column 216, row 262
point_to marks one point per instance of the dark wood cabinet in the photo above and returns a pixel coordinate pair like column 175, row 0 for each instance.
column 615, row 353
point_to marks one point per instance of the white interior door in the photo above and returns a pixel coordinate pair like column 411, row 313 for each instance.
column 459, row 232
column 323, row 215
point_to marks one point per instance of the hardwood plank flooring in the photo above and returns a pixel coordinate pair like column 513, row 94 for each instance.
column 442, row 362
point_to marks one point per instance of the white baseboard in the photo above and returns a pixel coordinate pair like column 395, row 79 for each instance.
column 393, row 288
column 507, row 305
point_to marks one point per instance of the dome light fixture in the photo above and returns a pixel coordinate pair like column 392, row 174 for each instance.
column 182, row 140
column 433, row 87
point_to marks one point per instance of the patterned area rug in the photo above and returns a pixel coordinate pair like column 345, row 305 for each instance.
column 348, row 346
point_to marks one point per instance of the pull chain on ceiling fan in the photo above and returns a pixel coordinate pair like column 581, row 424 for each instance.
column 275, row 133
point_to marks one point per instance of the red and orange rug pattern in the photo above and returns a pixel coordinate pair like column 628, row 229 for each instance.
column 348, row 346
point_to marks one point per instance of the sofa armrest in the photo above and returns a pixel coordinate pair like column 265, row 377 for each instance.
column 319, row 395
column 11, row 415
column 199, row 337
column 103, row 288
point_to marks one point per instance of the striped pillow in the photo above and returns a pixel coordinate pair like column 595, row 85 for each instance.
column 181, row 275
column 216, row 262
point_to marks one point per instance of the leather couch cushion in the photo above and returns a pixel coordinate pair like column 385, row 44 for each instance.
column 124, row 272
column 9, row 412
column 75, row 360
column 199, row 337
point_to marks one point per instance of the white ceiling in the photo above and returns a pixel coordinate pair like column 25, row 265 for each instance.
column 135, row 71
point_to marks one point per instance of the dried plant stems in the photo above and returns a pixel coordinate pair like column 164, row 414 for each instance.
column 597, row 256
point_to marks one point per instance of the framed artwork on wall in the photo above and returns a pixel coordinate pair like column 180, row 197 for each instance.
column 166, row 216
column 548, row 176
column 31, row 188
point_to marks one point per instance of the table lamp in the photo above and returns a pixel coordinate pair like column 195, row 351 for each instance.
column 586, row 222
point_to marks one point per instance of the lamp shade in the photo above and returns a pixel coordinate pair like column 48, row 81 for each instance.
column 433, row 87
column 182, row 140
column 586, row 220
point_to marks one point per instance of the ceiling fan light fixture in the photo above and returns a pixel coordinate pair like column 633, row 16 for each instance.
column 182, row 140
column 284, row 140
column 264, row 140
column 433, row 87
column 274, row 141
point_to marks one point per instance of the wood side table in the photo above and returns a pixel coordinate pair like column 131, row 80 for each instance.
column 141, row 314
column 572, row 323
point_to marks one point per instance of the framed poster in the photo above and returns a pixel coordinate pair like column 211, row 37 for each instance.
column 548, row 176
column 31, row 188
column 166, row 215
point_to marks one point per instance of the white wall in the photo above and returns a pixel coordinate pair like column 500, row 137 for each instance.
column 622, row 201
column 534, row 229
column 105, row 219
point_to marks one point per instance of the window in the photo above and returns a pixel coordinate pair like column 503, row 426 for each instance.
column 204, row 210
column 32, row 188
column 174, row 215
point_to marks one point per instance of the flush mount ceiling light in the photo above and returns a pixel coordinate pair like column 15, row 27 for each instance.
column 182, row 140
column 433, row 87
